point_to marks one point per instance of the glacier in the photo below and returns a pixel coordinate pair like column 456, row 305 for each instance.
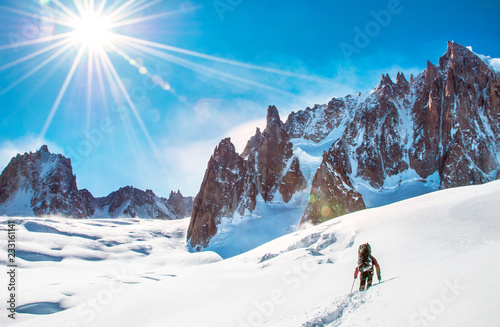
column 433, row 250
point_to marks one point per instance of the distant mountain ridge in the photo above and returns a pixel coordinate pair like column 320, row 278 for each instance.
column 437, row 130
column 43, row 184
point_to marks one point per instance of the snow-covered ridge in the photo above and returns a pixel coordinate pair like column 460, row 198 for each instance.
column 493, row 63
column 43, row 184
column 110, row 272
column 406, row 138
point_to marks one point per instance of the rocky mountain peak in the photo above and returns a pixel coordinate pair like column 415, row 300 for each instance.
column 273, row 117
column 401, row 80
column 431, row 72
column 440, row 129
column 269, row 153
column 43, row 184
column 129, row 201
column 180, row 205
column 44, row 148
column 232, row 182
column 220, row 193
column 386, row 80
column 175, row 194
column 274, row 132
column 45, row 179
column 224, row 149
column 457, row 54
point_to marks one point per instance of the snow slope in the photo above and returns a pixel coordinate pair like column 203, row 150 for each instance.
column 18, row 204
column 493, row 63
column 276, row 218
column 438, row 254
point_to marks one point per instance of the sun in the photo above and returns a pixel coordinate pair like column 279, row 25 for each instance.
column 91, row 30
column 96, row 29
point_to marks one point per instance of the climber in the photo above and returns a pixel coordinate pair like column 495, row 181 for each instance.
column 365, row 267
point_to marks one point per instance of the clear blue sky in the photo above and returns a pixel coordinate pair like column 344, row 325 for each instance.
column 306, row 51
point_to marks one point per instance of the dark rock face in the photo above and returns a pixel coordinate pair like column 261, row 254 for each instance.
column 462, row 97
column 180, row 205
column 268, row 153
column 449, row 109
column 220, row 194
column 332, row 194
column 458, row 134
column 233, row 182
column 89, row 202
column 293, row 181
column 444, row 121
column 467, row 92
column 49, row 182
column 316, row 124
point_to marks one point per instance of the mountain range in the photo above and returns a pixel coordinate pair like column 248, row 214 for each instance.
column 407, row 137
column 437, row 130
column 43, row 184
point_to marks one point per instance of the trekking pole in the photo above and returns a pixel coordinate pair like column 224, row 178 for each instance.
column 352, row 285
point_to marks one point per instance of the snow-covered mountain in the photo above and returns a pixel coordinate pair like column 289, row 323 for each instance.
column 132, row 202
column 43, row 184
column 233, row 184
column 437, row 253
column 438, row 130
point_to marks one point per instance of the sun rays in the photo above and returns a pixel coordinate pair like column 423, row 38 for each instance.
column 91, row 30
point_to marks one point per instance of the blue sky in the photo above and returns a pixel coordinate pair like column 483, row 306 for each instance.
column 291, row 54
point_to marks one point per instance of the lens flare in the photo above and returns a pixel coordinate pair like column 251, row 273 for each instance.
column 326, row 212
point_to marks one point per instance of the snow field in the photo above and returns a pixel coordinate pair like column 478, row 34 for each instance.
column 438, row 255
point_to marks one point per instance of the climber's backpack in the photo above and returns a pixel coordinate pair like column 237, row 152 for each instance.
column 365, row 257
